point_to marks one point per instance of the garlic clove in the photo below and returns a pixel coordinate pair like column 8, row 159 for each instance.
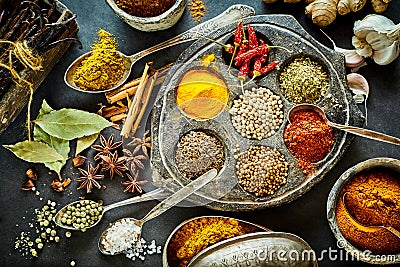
column 360, row 88
column 387, row 55
column 394, row 34
column 352, row 58
column 362, row 47
column 378, row 41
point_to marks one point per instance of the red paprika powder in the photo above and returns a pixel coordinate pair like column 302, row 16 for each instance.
column 308, row 138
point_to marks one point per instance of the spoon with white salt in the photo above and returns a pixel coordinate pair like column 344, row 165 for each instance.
column 350, row 129
column 127, row 231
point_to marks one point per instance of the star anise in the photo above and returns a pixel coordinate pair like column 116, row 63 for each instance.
column 141, row 143
column 113, row 164
column 89, row 178
column 133, row 184
column 132, row 161
column 106, row 147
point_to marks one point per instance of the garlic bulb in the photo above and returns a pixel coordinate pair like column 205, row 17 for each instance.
column 377, row 37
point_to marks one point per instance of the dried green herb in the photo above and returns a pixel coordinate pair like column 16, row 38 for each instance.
column 60, row 145
column 84, row 142
column 69, row 124
column 52, row 132
column 34, row 151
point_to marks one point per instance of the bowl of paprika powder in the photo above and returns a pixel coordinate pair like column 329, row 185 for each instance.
column 363, row 206
column 149, row 16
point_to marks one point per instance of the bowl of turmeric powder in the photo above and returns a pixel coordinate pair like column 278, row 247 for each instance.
column 196, row 234
column 363, row 211
column 150, row 15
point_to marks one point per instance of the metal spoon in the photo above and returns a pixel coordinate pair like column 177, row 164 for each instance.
column 155, row 194
column 351, row 129
column 388, row 228
column 160, row 208
column 232, row 14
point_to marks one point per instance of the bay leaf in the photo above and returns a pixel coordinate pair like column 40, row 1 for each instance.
column 34, row 151
column 84, row 142
column 44, row 109
column 69, row 124
column 60, row 145
column 55, row 165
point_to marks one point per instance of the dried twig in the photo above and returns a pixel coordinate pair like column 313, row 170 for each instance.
column 134, row 108
column 131, row 87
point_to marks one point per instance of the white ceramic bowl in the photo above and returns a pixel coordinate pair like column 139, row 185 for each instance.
column 150, row 24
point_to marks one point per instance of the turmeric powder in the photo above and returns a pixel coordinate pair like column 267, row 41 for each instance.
column 201, row 94
column 103, row 68
column 373, row 199
column 196, row 235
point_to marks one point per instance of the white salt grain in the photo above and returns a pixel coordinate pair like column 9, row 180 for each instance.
column 122, row 236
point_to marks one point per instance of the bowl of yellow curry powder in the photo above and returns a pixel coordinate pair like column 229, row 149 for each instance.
column 194, row 235
column 363, row 206
column 202, row 94
column 149, row 15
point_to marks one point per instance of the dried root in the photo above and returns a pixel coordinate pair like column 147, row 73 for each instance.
column 323, row 12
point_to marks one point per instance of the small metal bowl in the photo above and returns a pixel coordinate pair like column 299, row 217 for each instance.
column 166, row 246
column 150, row 24
column 390, row 163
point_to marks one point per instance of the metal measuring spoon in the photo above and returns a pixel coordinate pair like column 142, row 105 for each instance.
column 350, row 129
column 159, row 209
column 232, row 14
column 388, row 228
column 155, row 194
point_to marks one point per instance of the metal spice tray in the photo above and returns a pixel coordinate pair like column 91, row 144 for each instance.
column 17, row 97
column 169, row 124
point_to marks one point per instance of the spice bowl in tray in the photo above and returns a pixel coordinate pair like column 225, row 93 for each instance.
column 363, row 211
column 194, row 235
column 244, row 137
column 149, row 16
column 224, row 241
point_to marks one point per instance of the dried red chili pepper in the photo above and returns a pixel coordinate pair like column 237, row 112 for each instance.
column 248, row 55
column 244, row 71
column 265, row 69
column 244, row 47
column 239, row 34
column 253, row 43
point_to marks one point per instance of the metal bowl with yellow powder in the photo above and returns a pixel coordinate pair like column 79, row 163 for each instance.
column 202, row 94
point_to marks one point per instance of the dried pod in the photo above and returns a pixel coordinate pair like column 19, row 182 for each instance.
column 32, row 174
column 322, row 12
column 57, row 185
column 78, row 160
column 27, row 185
